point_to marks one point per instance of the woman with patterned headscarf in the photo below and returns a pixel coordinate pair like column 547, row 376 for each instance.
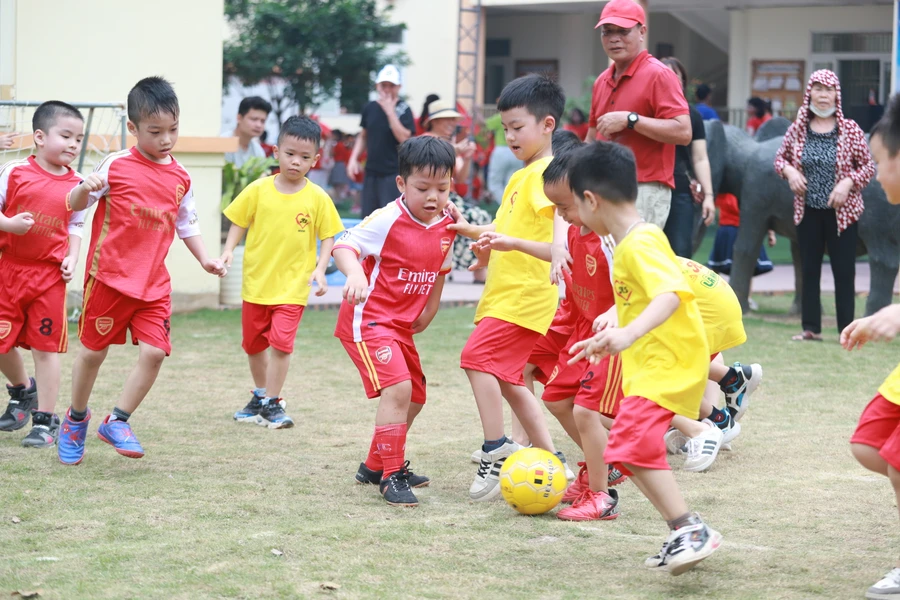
column 825, row 160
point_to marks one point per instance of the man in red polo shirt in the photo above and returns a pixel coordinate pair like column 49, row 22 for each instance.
column 638, row 102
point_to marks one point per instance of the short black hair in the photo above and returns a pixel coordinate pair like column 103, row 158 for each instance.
column 47, row 113
column 426, row 153
column 888, row 127
column 152, row 96
column 539, row 95
column 254, row 103
column 702, row 92
column 302, row 128
column 760, row 106
column 565, row 143
column 605, row 168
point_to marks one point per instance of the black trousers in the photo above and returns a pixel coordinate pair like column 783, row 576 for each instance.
column 378, row 192
column 817, row 231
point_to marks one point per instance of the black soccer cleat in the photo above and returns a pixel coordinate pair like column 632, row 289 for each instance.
column 365, row 475
column 396, row 491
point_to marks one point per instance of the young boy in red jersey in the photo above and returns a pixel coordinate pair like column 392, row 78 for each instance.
column 661, row 337
column 579, row 395
column 285, row 215
column 876, row 441
column 518, row 301
column 39, row 244
column 395, row 262
column 144, row 197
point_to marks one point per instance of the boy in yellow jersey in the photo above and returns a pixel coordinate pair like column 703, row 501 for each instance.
column 285, row 215
column 876, row 441
column 724, row 328
column 665, row 355
column 519, row 301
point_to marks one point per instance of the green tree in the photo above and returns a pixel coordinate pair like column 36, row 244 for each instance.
column 314, row 45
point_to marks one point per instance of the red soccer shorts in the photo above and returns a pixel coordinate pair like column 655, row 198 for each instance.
column 500, row 349
column 32, row 306
column 274, row 325
column 108, row 314
column 545, row 354
column 595, row 387
column 879, row 427
column 637, row 435
column 386, row 362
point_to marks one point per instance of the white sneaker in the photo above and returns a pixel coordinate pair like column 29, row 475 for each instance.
column 688, row 546
column 658, row 560
column 675, row 441
column 703, row 449
column 737, row 395
column 486, row 485
column 570, row 476
column 476, row 456
column 752, row 305
column 886, row 589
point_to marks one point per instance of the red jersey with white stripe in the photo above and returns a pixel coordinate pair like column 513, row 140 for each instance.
column 590, row 282
column 138, row 212
column 402, row 259
column 26, row 187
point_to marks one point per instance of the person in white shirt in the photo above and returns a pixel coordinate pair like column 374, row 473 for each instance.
column 251, row 122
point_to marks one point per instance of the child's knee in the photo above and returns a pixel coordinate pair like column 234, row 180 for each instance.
column 558, row 408
column 399, row 394
column 868, row 457
column 152, row 356
column 92, row 358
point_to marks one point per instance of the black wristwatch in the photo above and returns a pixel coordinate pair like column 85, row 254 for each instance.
column 632, row 120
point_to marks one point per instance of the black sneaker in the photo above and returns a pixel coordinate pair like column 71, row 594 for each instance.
column 22, row 401
column 44, row 430
column 365, row 475
column 396, row 490
column 272, row 415
column 250, row 413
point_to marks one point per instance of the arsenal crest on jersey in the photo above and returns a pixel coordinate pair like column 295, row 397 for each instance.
column 104, row 325
column 445, row 245
column 591, row 264
column 5, row 328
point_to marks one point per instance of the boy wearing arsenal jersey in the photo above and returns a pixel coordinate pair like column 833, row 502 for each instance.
column 283, row 216
column 143, row 196
column 40, row 236
column 395, row 262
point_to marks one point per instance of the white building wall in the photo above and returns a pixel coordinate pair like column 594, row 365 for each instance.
column 786, row 33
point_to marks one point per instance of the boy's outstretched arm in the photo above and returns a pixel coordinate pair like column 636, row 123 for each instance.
column 431, row 307
column 614, row 340
column 883, row 325
column 357, row 287
column 235, row 235
column 491, row 240
column 318, row 275
column 78, row 197
column 463, row 227
column 195, row 245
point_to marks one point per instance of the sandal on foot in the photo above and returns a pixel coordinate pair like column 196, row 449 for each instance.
column 807, row 336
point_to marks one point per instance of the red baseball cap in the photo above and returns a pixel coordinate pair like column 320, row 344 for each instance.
column 623, row 13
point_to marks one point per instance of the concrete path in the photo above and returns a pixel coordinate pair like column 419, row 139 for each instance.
column 779, row 281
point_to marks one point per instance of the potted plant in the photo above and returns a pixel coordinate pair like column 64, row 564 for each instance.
column 234, row 180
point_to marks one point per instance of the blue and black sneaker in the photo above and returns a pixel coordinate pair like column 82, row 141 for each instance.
column 119, row 435
column 272, row 415
column 250, row 413
column 22, row 402
column 737, row 392
column 71, row 439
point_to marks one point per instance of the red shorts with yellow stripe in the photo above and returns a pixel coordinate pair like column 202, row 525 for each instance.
column 386, row 362
column 595, row 387
column 545, row 354
column 108, row 314
column 32, row 306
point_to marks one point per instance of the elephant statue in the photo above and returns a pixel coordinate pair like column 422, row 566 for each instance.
column 744, row 166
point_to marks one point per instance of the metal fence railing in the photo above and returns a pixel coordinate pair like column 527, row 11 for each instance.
column 104, row 127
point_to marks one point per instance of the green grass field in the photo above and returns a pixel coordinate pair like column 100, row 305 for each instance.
column 200, row 515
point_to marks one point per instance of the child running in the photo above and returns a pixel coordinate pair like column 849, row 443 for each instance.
column 395, row 262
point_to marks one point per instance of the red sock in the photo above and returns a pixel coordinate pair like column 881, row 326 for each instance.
column 391, row 442
column 373, row 460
